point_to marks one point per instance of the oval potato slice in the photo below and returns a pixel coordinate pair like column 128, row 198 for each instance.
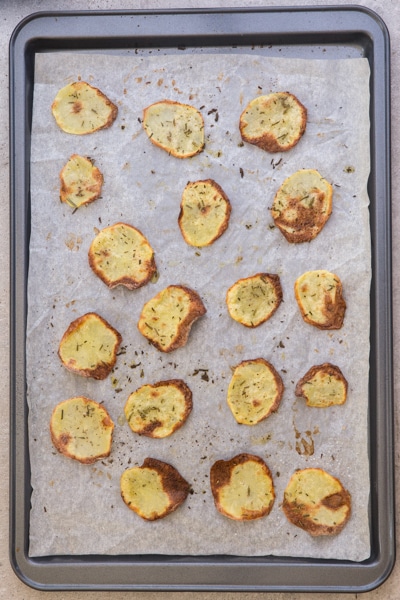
column 153, row 490
column 176, row 128
column 274, row 122
column 255, row 391
column 323, row 385
column 253, row 300
column 160, row 409
column 81, row 181
column 80, row 108
column 121, row 255
column 317, row 502
column 204, row 214
column 319, row 296
column 89, row 346
column 166, row 319
column 302, row 206
column 242, row 487
column 81, row 429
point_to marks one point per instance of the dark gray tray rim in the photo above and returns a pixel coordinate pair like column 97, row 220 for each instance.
column 334, row 27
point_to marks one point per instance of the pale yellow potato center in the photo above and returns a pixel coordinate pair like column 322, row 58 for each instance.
column 249, row 489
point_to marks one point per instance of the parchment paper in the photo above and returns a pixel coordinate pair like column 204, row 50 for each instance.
column 77, row 509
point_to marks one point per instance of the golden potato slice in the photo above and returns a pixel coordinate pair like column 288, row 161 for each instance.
column 81, row 429
column 121, row 255
column 176, row 128
column 153, row 490
column 242, row 487
column 79, row 108
column 275, row 122
column 166, row 319
column 302, row 206
column 255, row 391
column 323, row 385
column 253, row 300
column 89, row 346
column 160, row 409
column 319, row 296
column 204, row 214
column 317, row 502
column 81, row 181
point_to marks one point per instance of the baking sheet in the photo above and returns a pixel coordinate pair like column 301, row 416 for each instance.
column 323, row 32
column 143, row 187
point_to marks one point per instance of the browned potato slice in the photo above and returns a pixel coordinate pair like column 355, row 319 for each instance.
column 255, row 391
column 204, row 214
column 81, row 429
column 89, row 346
column 153, row 490
column 242, row 487
column 121, row 255
column 323, row 385
column 79, row 108
column 302, row 206
column 275, row 122
column 160, row 409
column 253, row 300
column 317, row 502
column 319, row 296
column 176, row 128
column 81, row 181
column 166, row 319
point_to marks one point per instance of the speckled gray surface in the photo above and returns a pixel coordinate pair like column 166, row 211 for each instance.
column 11, row 13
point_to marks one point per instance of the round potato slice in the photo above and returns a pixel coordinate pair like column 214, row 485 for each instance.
column 319, row 296
column 89, row 346
column 253, row 300
column 166, row 319
column 160, row 409
column 81, row 429
column 323, row 385
column 204, row 214
column 302, row 206
column 317, row 502
column 242, row 487
column 274, row 122
column 255, row 391
column 153, row 490
column 81, row 181
column 79, row 108
column 176, row 128
column 121, row 255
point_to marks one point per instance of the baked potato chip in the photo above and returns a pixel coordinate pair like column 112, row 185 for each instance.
column 255, row 391
column 89, row 346
column 317, row 502
column 319, row 295
column 253, row 300
column 176, row 128
column 323, row 385
column 166, row 319
column 81, row 181
column 121, row 255
column 274, row 122
column 79, row 108
column 204, row 214
column 81, row 429
column 242, row 487
column 153, row 490
column 160, row 409
column 302, row 206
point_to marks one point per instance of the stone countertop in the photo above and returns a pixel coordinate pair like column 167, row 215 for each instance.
column 11, row 13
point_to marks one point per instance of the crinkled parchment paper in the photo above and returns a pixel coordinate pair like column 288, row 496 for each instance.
column 77, row 509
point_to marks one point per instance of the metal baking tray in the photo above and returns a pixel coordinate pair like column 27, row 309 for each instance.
column 314, row 33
